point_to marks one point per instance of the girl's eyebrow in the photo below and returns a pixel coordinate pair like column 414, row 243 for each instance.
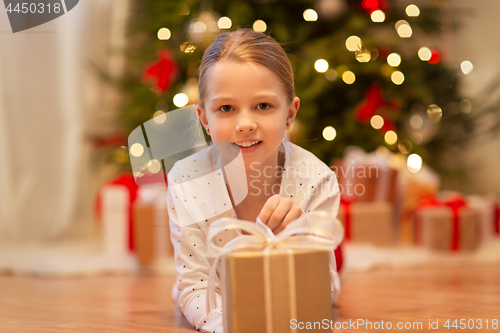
column 222, row 98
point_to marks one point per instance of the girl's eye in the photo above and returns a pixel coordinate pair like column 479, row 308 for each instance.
column 264, row 106
column 226, row 108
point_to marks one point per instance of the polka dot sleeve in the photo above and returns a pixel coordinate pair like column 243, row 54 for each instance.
column 327, row 198
column 193, row 266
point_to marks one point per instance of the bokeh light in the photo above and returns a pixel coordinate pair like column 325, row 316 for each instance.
column 353, row 43
column 181, row 99
column 331, row 74
column 363, row 55
column 405, row 146
column 465, row 105
column 224, row 23
column 390, row 137
column 424, row 53
column 466, row 67
column 136, row 150
column 321, row 65
column 377, row 121
column 416, row 121
column 159, row 117
column 405, row 31
column 310, row 15
column 259, row 26
column 414, row 163
column 412, row 11
column 164, row 34
column 394, row 59
column 329, row 133
column 154, row 166
column 434, row 112
column 348, row 77
column 377, row 16
column 397, row 77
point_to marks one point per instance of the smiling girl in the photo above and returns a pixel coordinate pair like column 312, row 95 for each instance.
column 247, row 100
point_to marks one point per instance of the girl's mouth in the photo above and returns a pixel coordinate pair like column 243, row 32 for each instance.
column 249, row 149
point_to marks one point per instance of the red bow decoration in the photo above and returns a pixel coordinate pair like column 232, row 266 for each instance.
column 372, row 103
column 161, row 73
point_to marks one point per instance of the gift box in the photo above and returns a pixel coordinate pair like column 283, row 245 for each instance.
column 113, row 209
column 269, row 281
column 276, row 289
column 365, row 177
column 368, row 222
column 488, row 215
column 151, row 226
column 446, row 225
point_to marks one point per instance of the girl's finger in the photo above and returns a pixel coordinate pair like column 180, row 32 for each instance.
column 294, row 213
column 269, row 208
column 279, row 213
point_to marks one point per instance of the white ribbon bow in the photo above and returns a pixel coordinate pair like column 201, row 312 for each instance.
column 316, row 230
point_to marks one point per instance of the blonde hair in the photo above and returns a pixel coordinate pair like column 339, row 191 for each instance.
column 247, row 45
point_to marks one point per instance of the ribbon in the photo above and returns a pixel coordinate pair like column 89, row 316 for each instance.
column 315, row 230
column 347, row 216
column 455, row 203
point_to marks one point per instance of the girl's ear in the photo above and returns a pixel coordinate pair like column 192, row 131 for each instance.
column 292, row 111
column 200, row 111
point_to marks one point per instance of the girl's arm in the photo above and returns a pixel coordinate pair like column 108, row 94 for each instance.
column 193, row 267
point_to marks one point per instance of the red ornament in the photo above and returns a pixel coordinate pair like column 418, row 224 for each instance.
column 161, row 73
column 383, row 52
column 435, row 57
column 369, row 5
column 373, row 101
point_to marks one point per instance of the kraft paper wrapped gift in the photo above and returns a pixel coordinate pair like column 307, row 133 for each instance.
column 368, row 222
column 298, row 291
column 151, row 226
column 446, row 229
column 269, row 280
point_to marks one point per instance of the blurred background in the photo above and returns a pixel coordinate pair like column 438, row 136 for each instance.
column 412, row 87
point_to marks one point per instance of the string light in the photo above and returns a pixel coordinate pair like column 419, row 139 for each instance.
column 154, row 166
column 424, row 53
column 466, row 67
column 188, row 47
column 259, row 26
column 434, row 112
column 405, row 146
column 394, row 59
column 416, row 122
column 164, row 34
column 321, row 65
column 329, row 133
column 414, row 163
column 353, row 43
column 377, row 121
column 136, row 150
column 363, row 55
column 403, row 28
column 348, row 77
column 310, row 15
column 465, row 105
column 435, row 57
column 377, row 16
column 331, row 74
column 390, row 137
column 159, row 117
column 181, row 99
column 412, row 11
column 397, row 77
column 224, row 23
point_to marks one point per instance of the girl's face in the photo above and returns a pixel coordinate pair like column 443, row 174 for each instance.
column 246, row 103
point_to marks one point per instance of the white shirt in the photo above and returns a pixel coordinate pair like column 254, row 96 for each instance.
column 306, row 180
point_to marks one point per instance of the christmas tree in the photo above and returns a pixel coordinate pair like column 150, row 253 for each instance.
column 369, row 73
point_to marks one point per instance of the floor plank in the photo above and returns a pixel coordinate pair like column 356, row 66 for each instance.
column 142, row 303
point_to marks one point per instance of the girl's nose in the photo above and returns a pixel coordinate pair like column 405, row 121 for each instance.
column 245, row 123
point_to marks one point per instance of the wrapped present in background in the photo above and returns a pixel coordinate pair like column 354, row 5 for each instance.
column 488, row 211
column 446, row 225
column 151, row 226
column 113, row 208
column 368, row 222
column 366, row 177
column 413, row 187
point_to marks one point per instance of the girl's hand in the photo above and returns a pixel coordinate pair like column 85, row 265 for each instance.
column 278, row 212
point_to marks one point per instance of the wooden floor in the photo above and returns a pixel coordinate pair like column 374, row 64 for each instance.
column 143, row 303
